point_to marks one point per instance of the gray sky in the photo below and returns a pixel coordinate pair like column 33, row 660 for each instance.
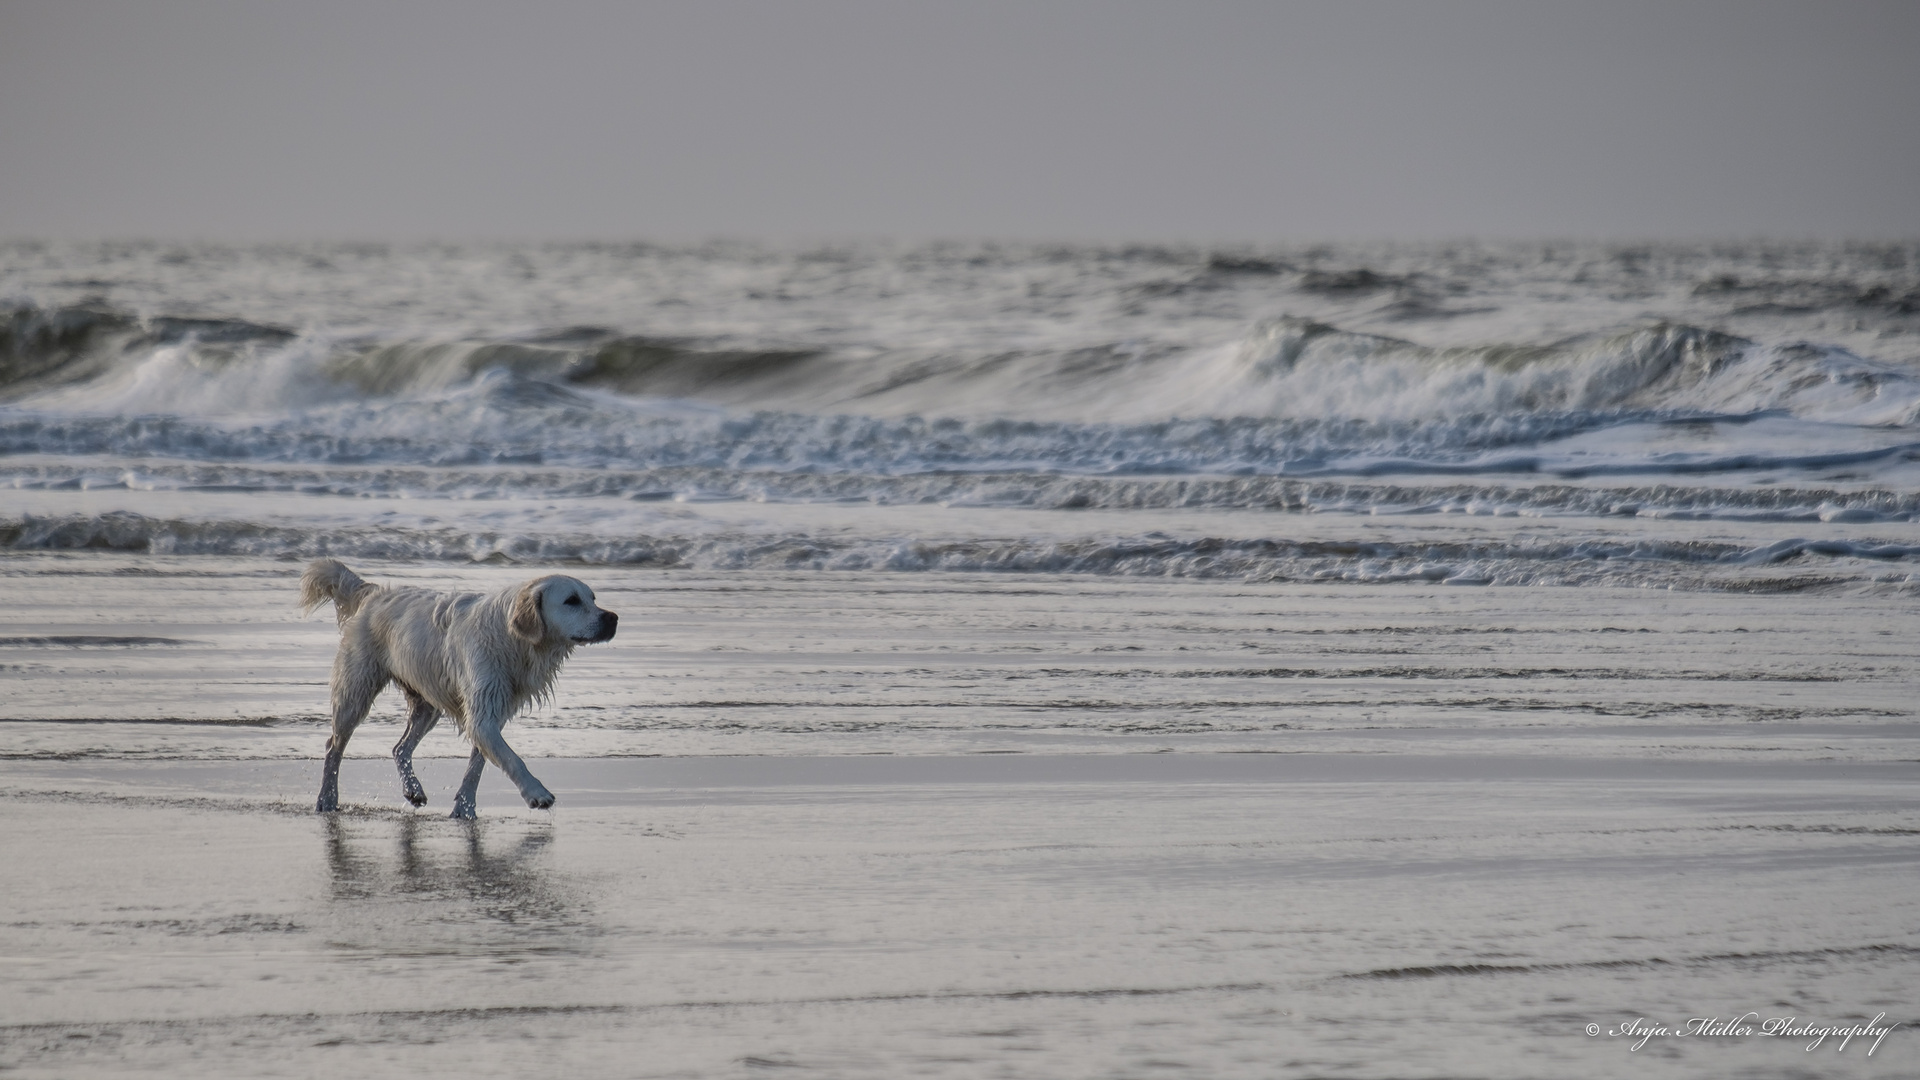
column 1068, row 120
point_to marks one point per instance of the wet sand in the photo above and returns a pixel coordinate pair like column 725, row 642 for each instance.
column 970, row 826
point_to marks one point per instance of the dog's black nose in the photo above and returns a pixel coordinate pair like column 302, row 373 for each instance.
column 608, row 621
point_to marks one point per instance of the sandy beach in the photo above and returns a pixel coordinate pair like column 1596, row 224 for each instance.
column 967, row 825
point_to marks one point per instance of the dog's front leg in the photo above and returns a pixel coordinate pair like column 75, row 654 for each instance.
column 488, row 742
column 466, row 802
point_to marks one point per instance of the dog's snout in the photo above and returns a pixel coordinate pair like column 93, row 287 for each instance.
column 608, row 621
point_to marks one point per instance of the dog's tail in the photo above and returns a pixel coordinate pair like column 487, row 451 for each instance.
column 329, row 579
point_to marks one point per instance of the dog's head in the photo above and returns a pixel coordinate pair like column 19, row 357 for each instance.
column 560, row 607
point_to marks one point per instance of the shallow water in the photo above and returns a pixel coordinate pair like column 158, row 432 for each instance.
column 1385, row 924
column 1045, row 825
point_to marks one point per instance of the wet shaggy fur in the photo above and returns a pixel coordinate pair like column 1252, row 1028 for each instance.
column 477, row 658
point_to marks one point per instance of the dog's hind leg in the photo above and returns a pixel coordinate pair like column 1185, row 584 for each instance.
column 420, row 719
column 466, row 801
column 356, row 683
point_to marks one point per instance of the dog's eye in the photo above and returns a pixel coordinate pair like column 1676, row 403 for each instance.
column 573, row 601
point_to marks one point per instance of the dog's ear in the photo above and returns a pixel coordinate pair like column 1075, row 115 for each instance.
column 526, row 620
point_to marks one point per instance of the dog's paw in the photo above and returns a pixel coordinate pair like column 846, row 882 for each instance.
column 463, row 811
column 416, row 794
column 327, row 805
column 540, row 800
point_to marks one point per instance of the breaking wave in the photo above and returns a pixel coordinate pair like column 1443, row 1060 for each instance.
column 1292, row 397
column 101, row 359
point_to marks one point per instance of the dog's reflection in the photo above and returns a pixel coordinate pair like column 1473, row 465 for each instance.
column 494, row 870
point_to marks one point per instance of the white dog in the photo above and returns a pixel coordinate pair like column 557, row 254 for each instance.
column 479, row 659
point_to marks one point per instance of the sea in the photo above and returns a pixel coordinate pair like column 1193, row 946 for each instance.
column 1677, row 416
